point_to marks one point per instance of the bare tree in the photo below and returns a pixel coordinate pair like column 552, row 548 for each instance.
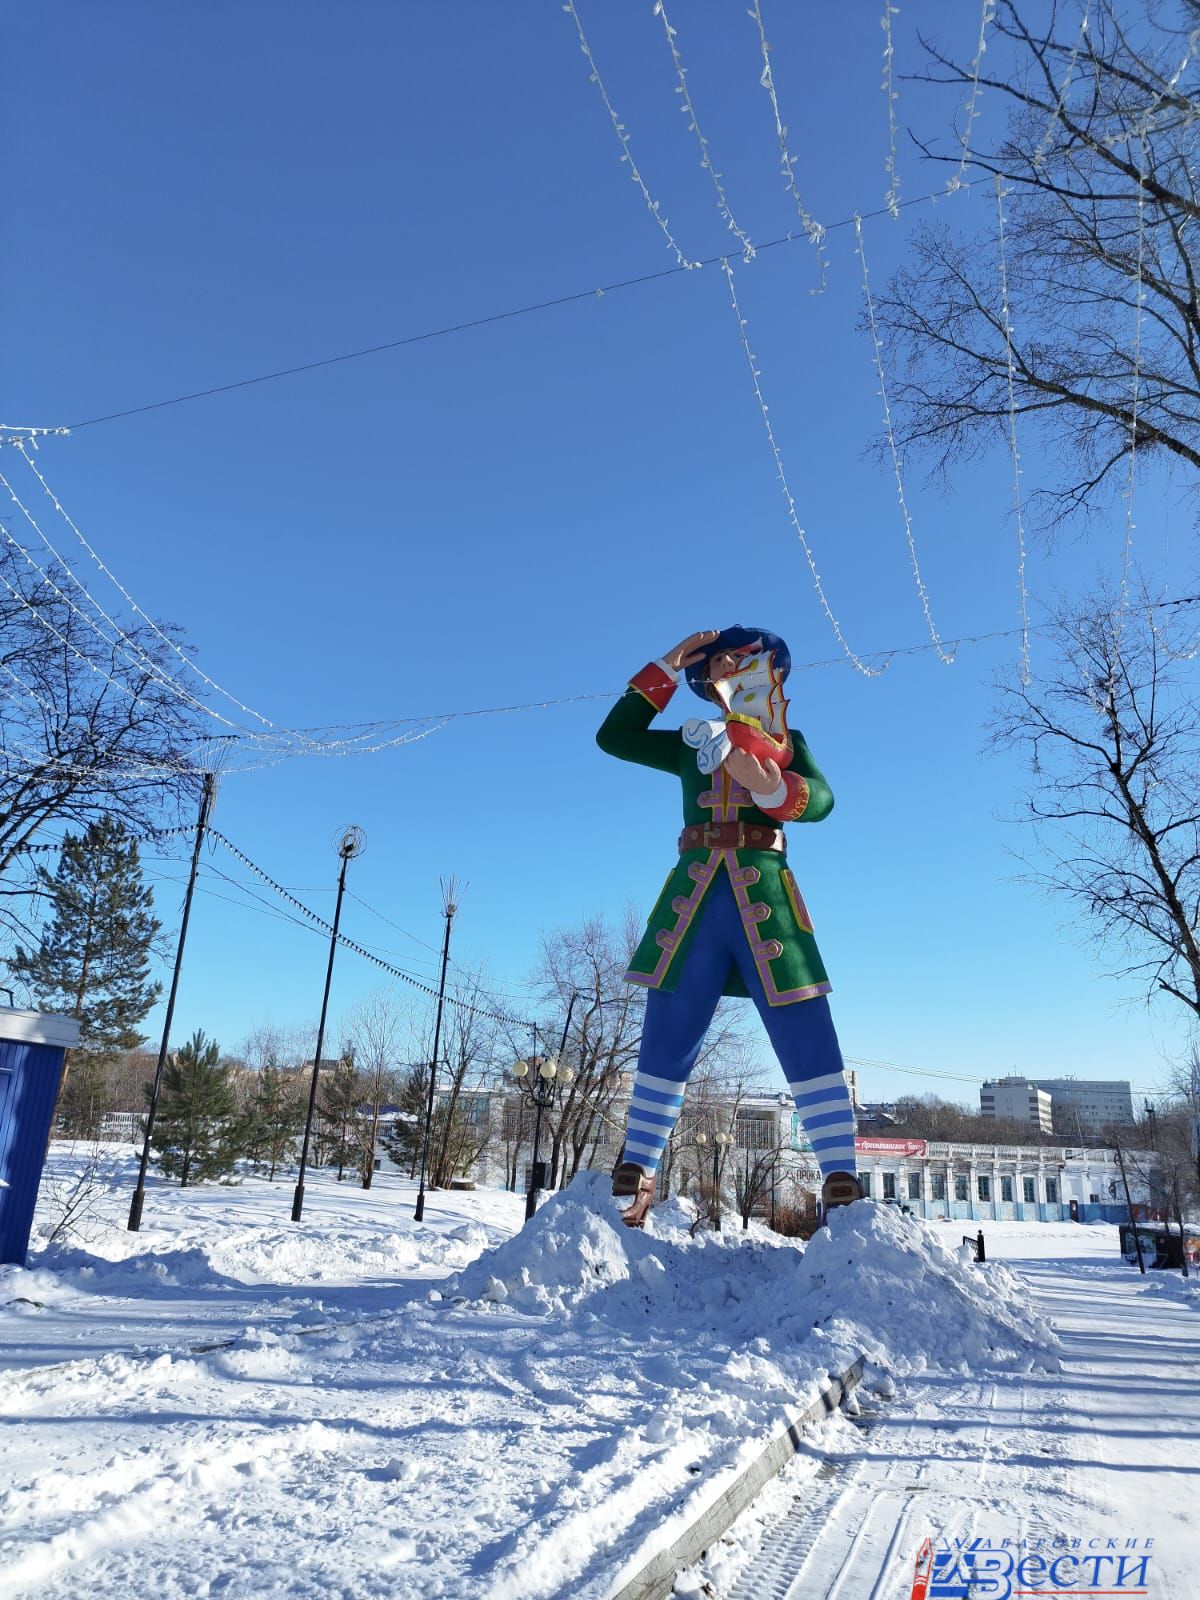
column 1112, row 737
column 93, row 723
column 472, row 1048
column 377, row 1029
column 1098, row 326
column 588, row 962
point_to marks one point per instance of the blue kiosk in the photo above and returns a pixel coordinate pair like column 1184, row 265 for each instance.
column 32, row 1047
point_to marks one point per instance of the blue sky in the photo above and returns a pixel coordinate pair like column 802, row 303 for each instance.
column 195, row 194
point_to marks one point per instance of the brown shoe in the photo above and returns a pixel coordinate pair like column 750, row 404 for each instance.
column 839, row 1189
column 632, row 1181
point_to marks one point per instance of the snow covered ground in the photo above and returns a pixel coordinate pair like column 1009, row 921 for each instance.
column 461, row 1409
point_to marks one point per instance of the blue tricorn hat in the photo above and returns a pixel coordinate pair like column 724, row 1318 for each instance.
column 738, row 638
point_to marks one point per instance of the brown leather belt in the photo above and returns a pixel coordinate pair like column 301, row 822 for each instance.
column 731, row 836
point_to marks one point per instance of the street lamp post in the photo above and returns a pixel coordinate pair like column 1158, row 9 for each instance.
column 450, row 898
column 540, row 1081
column 207, row 796
column 721, row 1142
column 349, row 845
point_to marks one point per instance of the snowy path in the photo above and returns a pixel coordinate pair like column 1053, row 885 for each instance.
column 1106, row 1449
column 459, row 1408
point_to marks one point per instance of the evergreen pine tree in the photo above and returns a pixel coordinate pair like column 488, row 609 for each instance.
column 275, row 1117
column 341, row 1092
column 402, row 1139
column 93, row 962
column 197, row 1131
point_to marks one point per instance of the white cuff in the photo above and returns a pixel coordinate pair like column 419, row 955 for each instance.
column 672, row 672
column 765, row 802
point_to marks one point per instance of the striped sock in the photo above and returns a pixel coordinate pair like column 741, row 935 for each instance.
column 824, row 1107
column 653, row 1111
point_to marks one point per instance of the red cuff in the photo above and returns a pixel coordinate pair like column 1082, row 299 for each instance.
column 794, row 804
column 654, row 684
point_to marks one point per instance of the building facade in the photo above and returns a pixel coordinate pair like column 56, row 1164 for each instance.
column 936, row 1180
column 1089, row 1105
column 1017, row 1100
column 989, row 1183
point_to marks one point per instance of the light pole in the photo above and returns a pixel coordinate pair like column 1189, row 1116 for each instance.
column 351, row 843
column 450, row 898
column 721, row 1142
column 540, row 1081
column 139, row 1194
column 1137, row 1238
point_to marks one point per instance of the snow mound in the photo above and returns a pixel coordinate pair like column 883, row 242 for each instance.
column 874, row 1282
column 283, row 1255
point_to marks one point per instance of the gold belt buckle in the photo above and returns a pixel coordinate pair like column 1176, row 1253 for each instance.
column 713, row 829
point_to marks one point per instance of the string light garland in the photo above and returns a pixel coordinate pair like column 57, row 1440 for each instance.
column 789, row 498
column 1139, row 300
column 122, row 643
column 15, row 434
column 1147, row 124
column 352, row 944
column 986, row 15
column 1064, row 88
column 131, row 602
column 652, row 205
column 1006, row 317
column 945, row 656
column 812, row 228
column 62, row 638
column 689, row 109
column 891, row 95
column 148, row 836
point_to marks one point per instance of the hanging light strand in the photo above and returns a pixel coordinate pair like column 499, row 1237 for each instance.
column 122, row 643
column 689, row 110
column 1139, row 300
column 1064, row 88
column 789, row 499
column 891, row 95
column 814, row 230
column 652, row 205
column 1006, row 317
column 944, row 655
column 132, row 603
column 986, row 15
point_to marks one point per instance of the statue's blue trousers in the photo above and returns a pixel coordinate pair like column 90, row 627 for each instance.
column 802, row 1034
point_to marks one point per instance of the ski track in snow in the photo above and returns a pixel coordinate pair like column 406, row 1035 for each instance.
column 376, row 1428
column 1104, row 1449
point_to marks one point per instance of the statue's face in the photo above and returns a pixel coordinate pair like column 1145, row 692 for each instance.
column 734, row 664
column 721, row 665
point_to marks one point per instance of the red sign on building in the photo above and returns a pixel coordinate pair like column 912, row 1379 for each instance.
column 891, row 1147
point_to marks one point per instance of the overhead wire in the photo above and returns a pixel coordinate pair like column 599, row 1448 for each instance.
column 352, row 944
column 597, row 292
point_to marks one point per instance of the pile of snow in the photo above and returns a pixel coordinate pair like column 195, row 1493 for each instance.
column 874, row 1281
